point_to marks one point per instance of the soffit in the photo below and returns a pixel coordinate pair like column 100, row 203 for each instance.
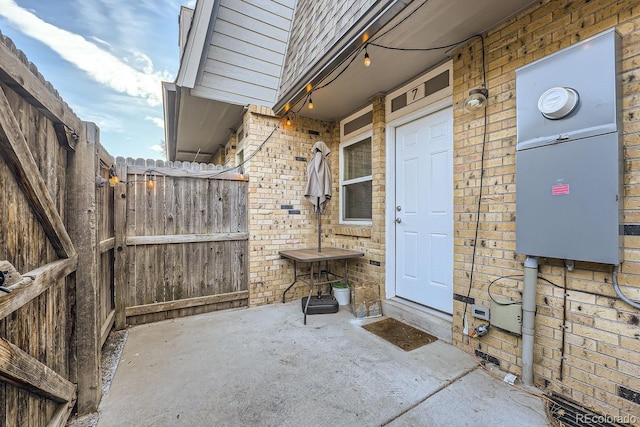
column 438, row 23
column 204, row 127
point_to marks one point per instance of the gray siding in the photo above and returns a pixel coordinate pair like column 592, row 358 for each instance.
column 246, row 52
column 184, row 19
column 317, row 26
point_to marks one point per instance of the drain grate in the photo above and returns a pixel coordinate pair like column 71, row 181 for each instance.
column 566, row 412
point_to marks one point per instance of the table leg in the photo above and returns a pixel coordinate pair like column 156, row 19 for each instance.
column 344, row 279
column 306, row 306
column 326, row 271
column 295, row 279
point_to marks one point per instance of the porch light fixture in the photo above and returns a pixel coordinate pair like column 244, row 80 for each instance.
column 367, row 59
column 476, row 100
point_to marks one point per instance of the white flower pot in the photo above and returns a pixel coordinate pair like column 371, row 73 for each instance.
column 342, row 295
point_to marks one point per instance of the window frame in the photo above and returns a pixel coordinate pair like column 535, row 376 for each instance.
column 361, row 136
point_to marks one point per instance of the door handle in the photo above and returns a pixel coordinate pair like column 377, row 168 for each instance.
column 398, row 220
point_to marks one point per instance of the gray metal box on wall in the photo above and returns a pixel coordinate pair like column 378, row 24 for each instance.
column 569, row 161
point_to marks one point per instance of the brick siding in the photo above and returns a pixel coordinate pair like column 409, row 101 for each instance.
column 277, row 179
column 602, row 337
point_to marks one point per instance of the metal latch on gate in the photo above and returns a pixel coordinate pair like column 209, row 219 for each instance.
column 2, row 276
column 8, row 276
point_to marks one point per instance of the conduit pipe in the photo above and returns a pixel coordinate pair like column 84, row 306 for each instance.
column 528, row 317
column 616, row 287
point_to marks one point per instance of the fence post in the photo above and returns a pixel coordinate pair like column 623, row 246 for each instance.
column 120, row 252
column 81, row 179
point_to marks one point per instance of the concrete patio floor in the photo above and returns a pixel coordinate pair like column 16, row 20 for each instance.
column 262, row 367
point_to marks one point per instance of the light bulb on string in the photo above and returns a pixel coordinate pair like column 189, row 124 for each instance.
column 367, row 59
column 113, row 177
column 113, row 180
column 150, row 183
column 310, row 105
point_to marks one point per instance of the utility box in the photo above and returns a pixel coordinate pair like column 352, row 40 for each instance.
column 569, row 159
column 507, row 317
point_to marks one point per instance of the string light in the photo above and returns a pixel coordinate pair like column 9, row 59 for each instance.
column 367, row 59
column 150, row 182
column 113, row 178
column 349, row 61
column 288, row 120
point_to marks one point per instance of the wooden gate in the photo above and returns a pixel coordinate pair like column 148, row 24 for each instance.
column 38, row 256
column 103, row 245
column 181, row 240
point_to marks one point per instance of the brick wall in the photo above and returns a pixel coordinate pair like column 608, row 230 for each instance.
column 281, row 218
column 602, row 336
column 369, row 270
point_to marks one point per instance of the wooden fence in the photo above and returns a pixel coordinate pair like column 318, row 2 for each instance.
column 105, row 243
column 43, row 367
column 78, row 255
column 181, row 240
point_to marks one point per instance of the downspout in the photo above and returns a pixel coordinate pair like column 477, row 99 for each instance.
column 528, row 317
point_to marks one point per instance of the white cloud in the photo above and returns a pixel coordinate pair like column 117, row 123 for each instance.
column 141, row 61
column 100, row 41
column 99, row 64
column 155, row 120
column 157, row 147
column 106, row 122
column 126, row 23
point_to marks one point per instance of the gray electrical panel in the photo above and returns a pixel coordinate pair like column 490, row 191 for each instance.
column 569, row 160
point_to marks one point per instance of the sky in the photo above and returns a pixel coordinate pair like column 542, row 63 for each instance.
column 107, row 59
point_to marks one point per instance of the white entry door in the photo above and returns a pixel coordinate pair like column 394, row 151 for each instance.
column 424, row 211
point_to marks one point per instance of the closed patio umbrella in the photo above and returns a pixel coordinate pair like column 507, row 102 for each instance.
column 318, row 190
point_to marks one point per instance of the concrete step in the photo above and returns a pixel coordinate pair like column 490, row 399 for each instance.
column 431, row 321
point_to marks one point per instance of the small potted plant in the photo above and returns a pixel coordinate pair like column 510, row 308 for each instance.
column 342, row 293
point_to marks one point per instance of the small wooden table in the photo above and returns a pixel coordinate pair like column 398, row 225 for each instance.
column 313, row 256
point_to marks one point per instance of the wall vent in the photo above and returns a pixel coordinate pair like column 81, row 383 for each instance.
column 631, row 395
column 488, row 358
column 568, row 413
column 463, row 298
column 358, row 123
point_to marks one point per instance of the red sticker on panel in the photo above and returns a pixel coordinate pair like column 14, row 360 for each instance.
column 560, row 189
